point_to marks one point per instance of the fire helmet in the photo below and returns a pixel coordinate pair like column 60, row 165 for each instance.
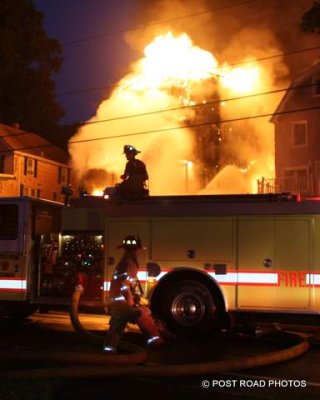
column 131, row 242
column 130, row 149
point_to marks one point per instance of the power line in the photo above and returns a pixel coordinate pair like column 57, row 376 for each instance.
column 171, row 128
column 199, row 125
column 290, row 88
column 288, row 53
column 266, row 58
column 85, row 90
column 201, row 104
column 142, row 26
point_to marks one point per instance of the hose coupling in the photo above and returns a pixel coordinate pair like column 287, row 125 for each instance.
column 79, row 288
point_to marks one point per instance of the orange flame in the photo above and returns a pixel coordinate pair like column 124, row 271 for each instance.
column 97, row 192
column 173, row 61
column 164, row 78
column 243, row 80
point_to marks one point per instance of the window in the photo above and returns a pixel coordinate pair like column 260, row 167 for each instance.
column 297, row 173
column 25, row 190
column 299, row 134
column 316, row 85
column 30, row 166
column 8, row 221
column 63, row 176
column 2, row 164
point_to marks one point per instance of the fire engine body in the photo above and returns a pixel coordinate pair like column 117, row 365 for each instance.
column 27, row 226
column 217, row 253
column 235, row 253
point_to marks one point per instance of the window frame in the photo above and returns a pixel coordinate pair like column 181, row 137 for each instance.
column 2, row 163
column 63, row 177
column 316, row 85
column 28, row 170
column 14, row 234
column 293, row 125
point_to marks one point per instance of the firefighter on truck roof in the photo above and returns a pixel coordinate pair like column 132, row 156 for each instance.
column 125, row 300
column 135, row 175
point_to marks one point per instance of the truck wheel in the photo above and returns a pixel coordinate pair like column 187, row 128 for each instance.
column 189, row 308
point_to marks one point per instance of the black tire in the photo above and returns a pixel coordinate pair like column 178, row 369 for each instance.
column 188, row 308
column 228, row 322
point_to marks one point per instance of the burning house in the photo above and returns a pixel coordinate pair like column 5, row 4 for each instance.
column 297, row 154
column 197, row 120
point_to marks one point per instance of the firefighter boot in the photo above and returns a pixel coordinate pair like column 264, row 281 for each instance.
column 114, row 335
column 149, row 328
column 164, row 331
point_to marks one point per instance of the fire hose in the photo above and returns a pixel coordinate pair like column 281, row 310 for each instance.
column 160, row 370
column 95, row 364
column 129, row 353
column 133, row 354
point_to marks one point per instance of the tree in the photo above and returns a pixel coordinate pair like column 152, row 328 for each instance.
column 310, row 21
column 28, row 58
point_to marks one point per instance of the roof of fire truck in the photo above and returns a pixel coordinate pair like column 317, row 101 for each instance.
column 201, row 205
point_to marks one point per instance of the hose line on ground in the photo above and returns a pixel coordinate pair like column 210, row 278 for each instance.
column 160, row 370
column 129, row 353
column 119, row 364
column 74, row 318
column 134, row 354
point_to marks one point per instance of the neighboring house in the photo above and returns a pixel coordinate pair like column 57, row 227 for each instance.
column 297, row 137
column 31, row 166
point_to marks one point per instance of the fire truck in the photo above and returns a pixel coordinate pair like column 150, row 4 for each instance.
column 28, row 227
column 239, row 254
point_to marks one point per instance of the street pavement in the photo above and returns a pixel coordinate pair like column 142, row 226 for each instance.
column 296, row 379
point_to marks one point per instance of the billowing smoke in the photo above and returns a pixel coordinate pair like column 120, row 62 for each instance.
column 135, row 114
column 246, row 140
column 156, row 148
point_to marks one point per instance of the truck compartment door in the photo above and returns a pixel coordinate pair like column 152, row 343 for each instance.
column 293, row 254
column 257, row 279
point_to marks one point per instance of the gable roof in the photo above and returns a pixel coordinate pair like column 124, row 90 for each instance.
column 15, row 139
column 300, row 80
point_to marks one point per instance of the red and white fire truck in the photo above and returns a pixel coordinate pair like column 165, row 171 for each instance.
column 29, row 233
column 238, row 253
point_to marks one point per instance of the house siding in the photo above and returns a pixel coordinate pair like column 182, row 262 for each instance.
column 288, row 156
column 45, row 181
column 38, row 178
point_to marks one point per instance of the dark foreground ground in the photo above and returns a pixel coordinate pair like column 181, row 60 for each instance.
column 294, row 380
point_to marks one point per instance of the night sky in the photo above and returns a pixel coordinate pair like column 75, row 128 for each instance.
column 88, row 64
column 103, row 60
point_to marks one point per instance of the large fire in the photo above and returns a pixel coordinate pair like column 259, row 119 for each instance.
column 242, row 80
column 148, row 110
column 173, row 61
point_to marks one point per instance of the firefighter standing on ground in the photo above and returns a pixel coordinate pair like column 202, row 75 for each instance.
column 124, row 301
column 135, row 174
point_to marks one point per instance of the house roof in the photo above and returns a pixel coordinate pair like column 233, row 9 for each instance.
column 300, row 80
column 15, row 139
